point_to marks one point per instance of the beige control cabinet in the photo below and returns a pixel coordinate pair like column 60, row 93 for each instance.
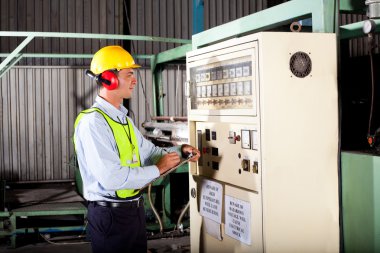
column 263, row 111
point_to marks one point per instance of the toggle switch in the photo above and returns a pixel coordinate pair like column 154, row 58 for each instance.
column 245, row 164
column 206, row 150
column 231, row 137
column 255, row 167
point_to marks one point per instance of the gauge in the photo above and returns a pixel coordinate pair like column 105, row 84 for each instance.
column 203, row 91
column 239, row 71
column 220, row 90
column 207, row 76
column 369, row 26
column 199, row 94
column 219, row 75
column 247, row 88
column 226, row 89
column 232, row 73
column 213, row 75
column 239, row 88
column 209, row 88
column 197, row 78
column 203, row 77
column 215, row 90
column 225, row 73
column 246, row 70
column 233, row 89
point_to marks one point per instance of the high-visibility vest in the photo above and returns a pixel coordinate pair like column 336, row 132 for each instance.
column 126, row 143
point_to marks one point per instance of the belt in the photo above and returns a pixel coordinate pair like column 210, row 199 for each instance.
column 127, row 204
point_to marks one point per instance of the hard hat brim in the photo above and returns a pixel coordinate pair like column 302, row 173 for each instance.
column 135, row 66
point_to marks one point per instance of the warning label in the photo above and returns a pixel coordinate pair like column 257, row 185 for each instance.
column 211, row 200
column 237, row 215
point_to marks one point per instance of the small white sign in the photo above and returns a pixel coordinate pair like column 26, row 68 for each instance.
column 211, row 200
column 238, row 219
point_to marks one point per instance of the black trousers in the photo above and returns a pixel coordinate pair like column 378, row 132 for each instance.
column 117, row 229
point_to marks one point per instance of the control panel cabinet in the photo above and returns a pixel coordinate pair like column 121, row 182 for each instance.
column 263, row 111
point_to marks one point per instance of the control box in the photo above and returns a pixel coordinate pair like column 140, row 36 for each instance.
column 263, row 111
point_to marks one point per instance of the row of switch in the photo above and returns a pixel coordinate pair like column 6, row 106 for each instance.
column 223, row 72
column 224, row 101
column 249, row 138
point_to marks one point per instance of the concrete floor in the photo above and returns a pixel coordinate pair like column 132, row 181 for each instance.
column 175, row 244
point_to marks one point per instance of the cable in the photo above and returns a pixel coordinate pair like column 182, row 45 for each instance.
column 64, row 243
column 181, row 216
column 370, row 40
column 371, row 138
column 73, row 237
column 154, row 209
column 176, row 92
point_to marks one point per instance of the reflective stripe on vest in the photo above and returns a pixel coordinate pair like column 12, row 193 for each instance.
column 125, row 148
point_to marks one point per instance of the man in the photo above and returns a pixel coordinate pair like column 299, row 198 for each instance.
column 115, row 160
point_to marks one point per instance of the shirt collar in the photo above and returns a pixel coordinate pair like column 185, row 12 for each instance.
column 110, row 110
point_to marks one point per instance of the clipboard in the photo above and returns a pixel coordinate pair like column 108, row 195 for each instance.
column 168, row 172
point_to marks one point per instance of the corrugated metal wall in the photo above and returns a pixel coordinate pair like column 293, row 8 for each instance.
column 38, row 109
column 163, row 18
column 173, row 80
column 72, row 16
column 222, row 11
column 39, row 106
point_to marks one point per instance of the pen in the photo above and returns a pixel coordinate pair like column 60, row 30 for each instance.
column 166, row 150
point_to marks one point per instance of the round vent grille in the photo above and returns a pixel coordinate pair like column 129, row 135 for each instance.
column 300, row 64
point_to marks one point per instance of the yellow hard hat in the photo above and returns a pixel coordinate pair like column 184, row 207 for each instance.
column 112, row 57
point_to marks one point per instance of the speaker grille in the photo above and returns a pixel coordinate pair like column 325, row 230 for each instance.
column 300, row 64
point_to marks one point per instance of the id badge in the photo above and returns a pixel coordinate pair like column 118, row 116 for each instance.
column 134, row 158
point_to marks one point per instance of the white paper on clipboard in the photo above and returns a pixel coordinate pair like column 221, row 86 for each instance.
column 168, row 172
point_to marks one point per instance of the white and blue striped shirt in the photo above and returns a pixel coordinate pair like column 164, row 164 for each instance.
column 99, row 160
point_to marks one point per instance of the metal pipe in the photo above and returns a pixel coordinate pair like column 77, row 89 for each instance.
column 92, row 36
column 154, row 209
column 42, row 181
column 182, row 214
column 171, row 118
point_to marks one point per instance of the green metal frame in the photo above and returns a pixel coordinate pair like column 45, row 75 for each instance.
column 361, row 202
column 43, row 211
column 157, row 64
column 355, row 30
column 322, row 13
column 12, row 58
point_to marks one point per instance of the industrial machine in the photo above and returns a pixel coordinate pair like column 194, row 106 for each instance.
column 168, row 197
column 263, row 111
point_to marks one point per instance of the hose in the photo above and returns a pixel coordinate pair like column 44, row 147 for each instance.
column 154, row 209
column 182, row 214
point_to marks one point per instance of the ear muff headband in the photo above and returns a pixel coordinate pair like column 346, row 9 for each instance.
column 109, row 80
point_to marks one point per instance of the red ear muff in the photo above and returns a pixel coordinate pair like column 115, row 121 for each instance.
column 110, row 81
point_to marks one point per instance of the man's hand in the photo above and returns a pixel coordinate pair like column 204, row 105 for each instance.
column 187, row 150
column 167, row 162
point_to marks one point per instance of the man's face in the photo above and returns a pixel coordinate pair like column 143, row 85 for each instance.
column 127, row 82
